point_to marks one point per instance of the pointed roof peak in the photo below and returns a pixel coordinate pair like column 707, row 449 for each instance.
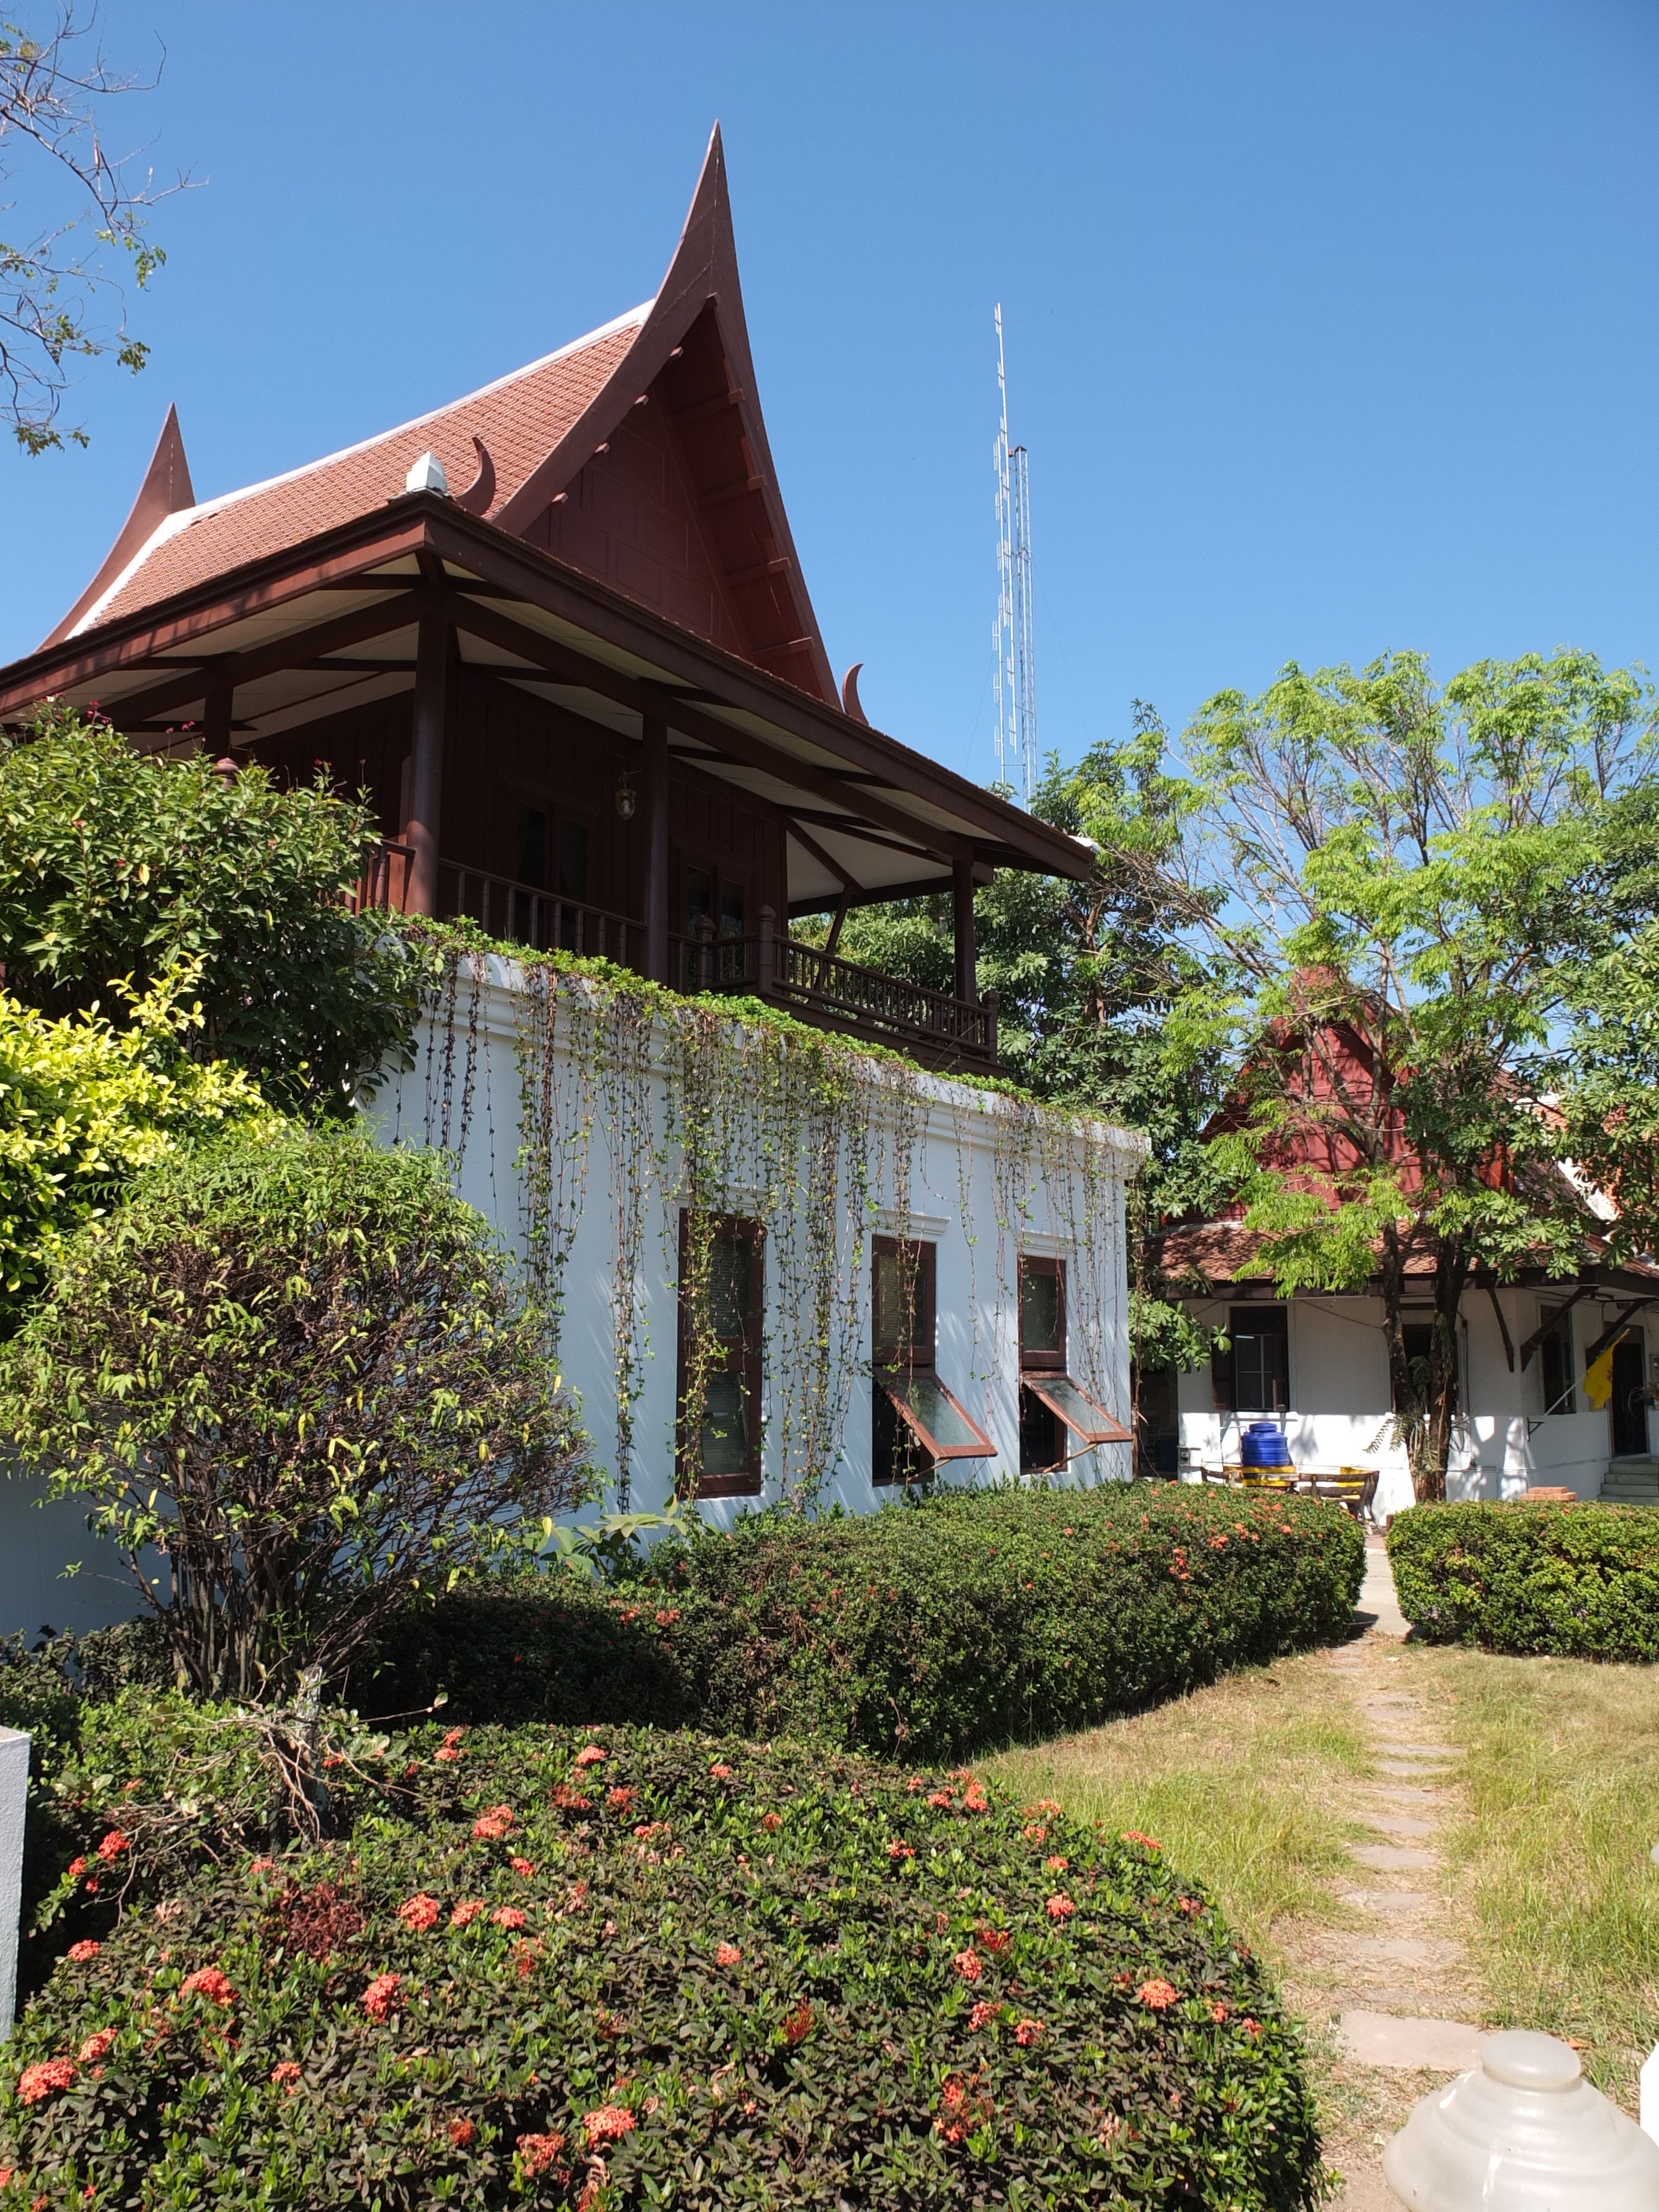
column 165, row 489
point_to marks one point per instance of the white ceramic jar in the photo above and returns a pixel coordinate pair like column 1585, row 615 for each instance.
column 1524, row 2132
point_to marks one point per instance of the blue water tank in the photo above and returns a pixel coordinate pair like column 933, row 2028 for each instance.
column 1264, row 1445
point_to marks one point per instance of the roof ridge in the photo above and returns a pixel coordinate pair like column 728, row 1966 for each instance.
column 171, row 524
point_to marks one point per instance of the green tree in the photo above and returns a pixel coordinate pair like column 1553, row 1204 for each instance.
column 295, row 1366
column 1416, row 880
column 115, row 864
column 86, row 213
column 84, row 1106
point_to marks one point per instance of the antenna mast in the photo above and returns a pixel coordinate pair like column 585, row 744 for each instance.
column 1013, row 644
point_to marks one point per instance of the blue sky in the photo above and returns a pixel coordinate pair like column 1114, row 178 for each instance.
column 1331, row 328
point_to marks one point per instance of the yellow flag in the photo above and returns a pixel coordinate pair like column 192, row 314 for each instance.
column 1598, row 1379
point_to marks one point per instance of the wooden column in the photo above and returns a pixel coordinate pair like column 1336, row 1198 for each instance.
column 426, row 776
column 657, row 887
column 215, row 729
column 962, row 909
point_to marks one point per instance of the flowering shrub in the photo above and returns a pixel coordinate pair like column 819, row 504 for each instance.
column 716, row 2014
column 927, row 1630
column 1580, row 1582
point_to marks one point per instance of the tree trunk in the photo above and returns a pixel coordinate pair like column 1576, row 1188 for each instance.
column 1425, row 1407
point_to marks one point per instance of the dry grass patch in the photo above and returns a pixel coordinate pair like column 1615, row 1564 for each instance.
column 1561, row 1788
column 1241, row 1782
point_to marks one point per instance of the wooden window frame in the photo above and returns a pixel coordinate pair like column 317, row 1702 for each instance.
column 1230, row 1402
column 900, row 1360
column 1046, row 1374
column 741, row 1356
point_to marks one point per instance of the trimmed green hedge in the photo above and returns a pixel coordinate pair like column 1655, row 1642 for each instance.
column 1580, row 1582
column 924, row 1630
column 631, row 1968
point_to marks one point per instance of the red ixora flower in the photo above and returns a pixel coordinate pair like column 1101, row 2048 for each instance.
column 1135, row 1836
column 940, row 1798
column 967, row 1964
column 208, row 1982
column 1217, row 2012
column 1157, row 1993
column 720, row 1772
column 590, row 1755
column 114, row 1844
column 461, row 2133
column 78, row 1868
column 378, row 1996
column 621, row 1798
column 507, row 1916
column 728, row 1954
column 535, row 2153
column 1035, row 1833
column 1252, row 2027
column 490, row 1826
column 95, row 2045
column 1056, row 1865
column 1028, row 2032
column 1060, row 1908
column 895, row 1849
column 286, row 2076
column 466, row 1912
column 771, row 1822
column 44, row 2079
column 85, row 1949
column 798, row 2026
column 524, row 1866
column 420, row 1911
column 608, row 2123
column 981, row 2016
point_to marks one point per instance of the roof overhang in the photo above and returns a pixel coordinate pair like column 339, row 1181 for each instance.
column 307, row 633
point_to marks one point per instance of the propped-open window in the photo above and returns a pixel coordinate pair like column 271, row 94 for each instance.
column 720, row 1362
column 1057, row 1419
column 917, row 1422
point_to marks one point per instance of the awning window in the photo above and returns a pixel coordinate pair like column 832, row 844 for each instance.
column 934, row 1416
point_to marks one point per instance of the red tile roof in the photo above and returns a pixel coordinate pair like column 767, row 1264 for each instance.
column 519, row 419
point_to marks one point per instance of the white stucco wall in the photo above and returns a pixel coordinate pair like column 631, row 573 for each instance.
column 1340, row 1415
column 954, row 1200
column 979, row 1219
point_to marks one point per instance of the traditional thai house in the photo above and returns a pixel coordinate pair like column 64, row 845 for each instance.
column 1556, row 1375
column 558, row 632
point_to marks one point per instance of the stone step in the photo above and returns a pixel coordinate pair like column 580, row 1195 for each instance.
column 1384, row 2038
column 1392, row 1858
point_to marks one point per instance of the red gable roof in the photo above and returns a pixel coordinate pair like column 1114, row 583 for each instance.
column 682, row 513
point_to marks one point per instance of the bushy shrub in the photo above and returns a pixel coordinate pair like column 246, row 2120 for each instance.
column 295, row 1364
column 1578, row 1581
column 925, row 1630
column 632, row 1968
column 115, row 863
column 84, row 1105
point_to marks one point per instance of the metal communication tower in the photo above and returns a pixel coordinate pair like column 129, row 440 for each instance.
column 1013, row 644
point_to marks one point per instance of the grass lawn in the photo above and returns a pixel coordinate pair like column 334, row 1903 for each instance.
column 1561, row 1788
column 1252, row 1786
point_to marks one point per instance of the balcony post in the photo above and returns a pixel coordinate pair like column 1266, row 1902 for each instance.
column 426, row 780
column 988, row 1007
column 765, row 953
column 961, row 913
column 656, row 847
column 705, row 954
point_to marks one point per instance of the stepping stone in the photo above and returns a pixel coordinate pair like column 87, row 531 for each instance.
column 1390, row 1858
column 1398, row 1824
column 1418, row 1751
column 1390, row 1701
column 1395, row 1796
column 1391, row 1900
column 1386, row 2038
column 1397, row 1772
column 1403, row 1950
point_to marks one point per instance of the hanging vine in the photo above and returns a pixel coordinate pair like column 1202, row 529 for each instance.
column 724, row 1113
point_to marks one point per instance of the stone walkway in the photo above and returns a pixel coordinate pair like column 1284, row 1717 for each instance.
column 1403, row 2013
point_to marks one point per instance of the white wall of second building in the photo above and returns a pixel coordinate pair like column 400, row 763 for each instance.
column 1339, row 1414
column 968, row 1195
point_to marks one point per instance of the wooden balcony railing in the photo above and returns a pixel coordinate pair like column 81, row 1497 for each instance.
column 819, row 986
column 840, row 993
column 538, row 918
